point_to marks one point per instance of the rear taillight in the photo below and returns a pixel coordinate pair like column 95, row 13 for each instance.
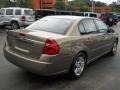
column 51, row 47
column 23, row 18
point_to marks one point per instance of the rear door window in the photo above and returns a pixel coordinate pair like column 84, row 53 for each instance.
column 86, row 14
column 93, row 15
column 89, row 26
column 101, row 26
column 81, row 29
column 18, row 12
column 9, row 12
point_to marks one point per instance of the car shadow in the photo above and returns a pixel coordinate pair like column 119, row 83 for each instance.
column 37, row 81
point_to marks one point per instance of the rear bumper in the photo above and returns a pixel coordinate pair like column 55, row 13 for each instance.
column 35, row 66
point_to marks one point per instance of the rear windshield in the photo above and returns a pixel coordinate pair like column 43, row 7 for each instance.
column 50, row 24
column 28, row 12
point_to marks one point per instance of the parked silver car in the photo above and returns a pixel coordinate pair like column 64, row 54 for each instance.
column 16, row 17
column 60, row 44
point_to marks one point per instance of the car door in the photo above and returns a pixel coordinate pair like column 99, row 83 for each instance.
column 90, row 38
column 18, row 13
column 106, row 38
column 9, row 14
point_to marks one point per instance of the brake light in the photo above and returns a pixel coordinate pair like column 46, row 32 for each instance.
column 51, row 47
column 23, row 18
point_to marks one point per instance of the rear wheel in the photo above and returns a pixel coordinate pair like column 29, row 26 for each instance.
column 14, row 25
column 114, row 49
column 78, row 66
column 110, row 24
column 115, row 23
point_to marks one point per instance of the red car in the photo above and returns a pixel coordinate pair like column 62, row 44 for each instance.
column 109, row 18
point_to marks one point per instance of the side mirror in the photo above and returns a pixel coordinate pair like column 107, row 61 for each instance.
column 111, row 31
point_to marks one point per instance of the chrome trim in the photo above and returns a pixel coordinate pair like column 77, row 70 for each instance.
column 23, row 50
column 29, row 40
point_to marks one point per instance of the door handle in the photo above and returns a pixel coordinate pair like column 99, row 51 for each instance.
column 103, row 36
column 88, row 39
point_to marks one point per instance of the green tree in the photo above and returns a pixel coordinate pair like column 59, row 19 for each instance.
column 69, row 7
column 83, row 4
column 29, row 3
column 115, row 7
column 60, row 5
column 19, row 3
column 98, row 3
column 10, row 4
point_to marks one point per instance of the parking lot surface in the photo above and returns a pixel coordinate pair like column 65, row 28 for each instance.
column 102, row 74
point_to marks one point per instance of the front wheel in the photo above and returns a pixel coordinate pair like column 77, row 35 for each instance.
column 78, row 66
column 110, row 24
column 114, row 49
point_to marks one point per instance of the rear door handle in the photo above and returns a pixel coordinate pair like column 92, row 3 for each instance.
column 103, row 36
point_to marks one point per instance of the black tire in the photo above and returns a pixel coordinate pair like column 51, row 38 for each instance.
column 110, row 24
column 115, row 23
column 74, row 72
column 114, row 49
column 14, row 25
column 3, row 26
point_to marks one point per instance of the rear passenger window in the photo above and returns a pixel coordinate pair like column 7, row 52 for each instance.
column 101, row 26
column 9, row 12
column 86, row 14
column 89, row 26
column 81, row 29
column 17, row 12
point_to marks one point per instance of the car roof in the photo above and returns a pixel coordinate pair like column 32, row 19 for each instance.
column 69, row 17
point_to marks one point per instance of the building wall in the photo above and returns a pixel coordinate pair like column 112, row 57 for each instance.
column 46, row 4
column 36, row 4
column 66, row 2
column 103, row 9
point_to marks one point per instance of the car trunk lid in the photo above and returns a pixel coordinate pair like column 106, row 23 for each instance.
column 29, row 43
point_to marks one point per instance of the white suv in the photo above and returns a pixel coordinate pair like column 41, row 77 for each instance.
column 16, row 17
column 91, row 14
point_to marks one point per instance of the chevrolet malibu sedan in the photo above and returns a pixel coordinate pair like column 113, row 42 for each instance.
column 60, row 44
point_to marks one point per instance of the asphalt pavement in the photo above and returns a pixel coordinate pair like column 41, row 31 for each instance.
column 102, row 74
